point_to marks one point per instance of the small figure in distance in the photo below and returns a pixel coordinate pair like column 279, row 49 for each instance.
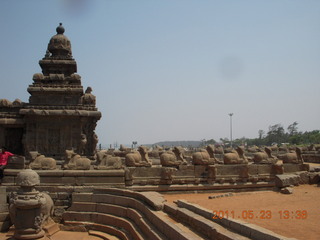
column 4, row 155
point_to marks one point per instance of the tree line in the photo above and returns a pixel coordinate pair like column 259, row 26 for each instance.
column 276, row 134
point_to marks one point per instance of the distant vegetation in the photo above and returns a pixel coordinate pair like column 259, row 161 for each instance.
column 190, row 144
column 277, row 135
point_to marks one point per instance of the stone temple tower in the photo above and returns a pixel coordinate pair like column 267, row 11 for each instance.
column 59, row 115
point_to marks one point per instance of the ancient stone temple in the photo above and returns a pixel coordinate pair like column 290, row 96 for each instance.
column 59, row 115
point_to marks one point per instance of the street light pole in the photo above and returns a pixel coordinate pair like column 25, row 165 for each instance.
column 230, row 114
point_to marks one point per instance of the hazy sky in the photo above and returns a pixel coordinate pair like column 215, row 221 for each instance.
column 174, row 69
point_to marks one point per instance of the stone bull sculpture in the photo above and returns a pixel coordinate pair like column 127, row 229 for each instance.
column 139, row 158
column 205, row 156
column 39, row 161
column 292, row 157
column 236, row 157
column 107, row 161
column 264, row 157
column 172, row 158
column 74, row 161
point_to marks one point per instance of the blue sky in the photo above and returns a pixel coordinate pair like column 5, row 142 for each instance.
column 173, row 70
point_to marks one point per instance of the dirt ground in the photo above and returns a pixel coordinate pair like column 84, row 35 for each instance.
column 295, row 215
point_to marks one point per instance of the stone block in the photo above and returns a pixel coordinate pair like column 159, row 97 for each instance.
column 314, row 177
column 200, row 171
column 264, row 168
column 111, row 209
column 50, row 173
column 63, row 195
column 99, row 180
column 286, row 190
column 4, row 208
column 304, row 177
column 185, row 170
column 145, row 172
column 170, row 208
column 104, row 173
column 291, row 167
column 286, row 180
column 253, row 169
column 3, row 195
column 8, row 180
column 16, row 162
column 83, row 207
column 62, row 203
column 57, row 180
column 82, row 197
column 4, row 216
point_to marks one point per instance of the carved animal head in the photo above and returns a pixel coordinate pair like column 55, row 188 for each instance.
column 210, row 148
column 240, row 151
column 69, row 154
column 143, row 150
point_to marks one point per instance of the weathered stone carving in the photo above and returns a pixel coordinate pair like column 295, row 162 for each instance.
column 5, row 103
column 88, row 98
column 253, row 149
column 95, row 141
column 292, row 157
column 74, row 161
column 236, row 157
column 107, row 161
column 29, row 209
column 156, row 152
column 173, row 158
column 167, row 174
column 201, row 158
column 205, row 156
column 17, row 103
column 264, row 157
column 83, row 143
column 39, row 161
column 139, row 158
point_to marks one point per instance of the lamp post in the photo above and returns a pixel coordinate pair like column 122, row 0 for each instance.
column 230, row 114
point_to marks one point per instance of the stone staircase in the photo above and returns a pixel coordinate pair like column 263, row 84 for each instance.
column 126, row 215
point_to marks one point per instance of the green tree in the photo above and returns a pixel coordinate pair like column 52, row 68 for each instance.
column 276, row 134
column 293, row 129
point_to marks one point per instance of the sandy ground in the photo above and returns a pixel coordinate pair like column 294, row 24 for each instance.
column 59, row 236
column 296, row 215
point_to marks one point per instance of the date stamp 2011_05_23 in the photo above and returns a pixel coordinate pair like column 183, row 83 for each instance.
column 260, row 214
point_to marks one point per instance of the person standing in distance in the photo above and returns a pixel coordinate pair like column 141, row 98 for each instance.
column 4, row 155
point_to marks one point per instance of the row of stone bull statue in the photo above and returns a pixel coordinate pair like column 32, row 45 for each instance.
column 106, row 159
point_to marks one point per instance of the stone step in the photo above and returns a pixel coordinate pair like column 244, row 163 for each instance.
column 104, row 219
column 200, row 225
column 103, row 235
column 134, row 215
